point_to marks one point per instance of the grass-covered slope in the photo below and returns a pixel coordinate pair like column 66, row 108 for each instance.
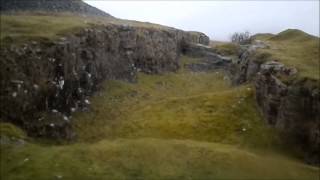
column 51, row 6
column 297, row 49
column 146, row 158
column 174, row 126
column 24, row 27
column 198, row 106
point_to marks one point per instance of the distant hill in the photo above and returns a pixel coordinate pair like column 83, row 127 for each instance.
column 262, row 36
column 292, row 34
column 294, row 48
column 72, row 6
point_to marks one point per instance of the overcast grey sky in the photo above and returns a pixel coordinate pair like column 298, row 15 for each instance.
column 219, row 19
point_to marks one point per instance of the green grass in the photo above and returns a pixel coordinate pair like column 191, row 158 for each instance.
column 262, row 36
column 209, row 115
column 146, row 158
column 22, row 28
column 227, row 49
column 181, row 125
column 296, row 49
column 11, row 131
column 25, row 27
column 184, row 125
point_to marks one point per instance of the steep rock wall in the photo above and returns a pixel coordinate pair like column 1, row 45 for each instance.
column 294, row 109
column 43, row 82
column 292, row 106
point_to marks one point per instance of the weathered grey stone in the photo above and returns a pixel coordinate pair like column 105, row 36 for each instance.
column 291, row 107
column 60, row 75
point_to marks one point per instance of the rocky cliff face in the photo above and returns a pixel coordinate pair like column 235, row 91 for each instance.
column 292, row 106
column 294, row 109
column 42, row 83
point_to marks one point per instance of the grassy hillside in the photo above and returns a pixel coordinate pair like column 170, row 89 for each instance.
column 23, row 27
column 174, row 126
column 262, row 36
column 197, row 106
column 297, row 49
column 146, row 158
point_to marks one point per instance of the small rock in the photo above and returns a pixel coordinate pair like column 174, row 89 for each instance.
column 65, row 118
column 52, row 125
column 14, row 94
column 61, row 84
column 73, row 109
column 244, row 129
column 36, row 87
column 26, row 160
column 87, row 101
column 52, row 59
column 59, row 176
column 21, row 142
column 54, row 110
column 17, row 81
column 63, row 39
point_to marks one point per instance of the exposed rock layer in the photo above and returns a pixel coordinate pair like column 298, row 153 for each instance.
column 292, row 106
column 42, row 83
column 208, row 59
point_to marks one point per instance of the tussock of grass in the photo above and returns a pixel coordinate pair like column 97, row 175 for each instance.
column 11, row 131
column 296, row 49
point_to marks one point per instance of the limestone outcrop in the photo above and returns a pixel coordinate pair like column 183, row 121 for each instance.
column 43, row 82
column 289, row 104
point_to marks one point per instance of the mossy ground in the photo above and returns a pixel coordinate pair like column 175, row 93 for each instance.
column 182, row 125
